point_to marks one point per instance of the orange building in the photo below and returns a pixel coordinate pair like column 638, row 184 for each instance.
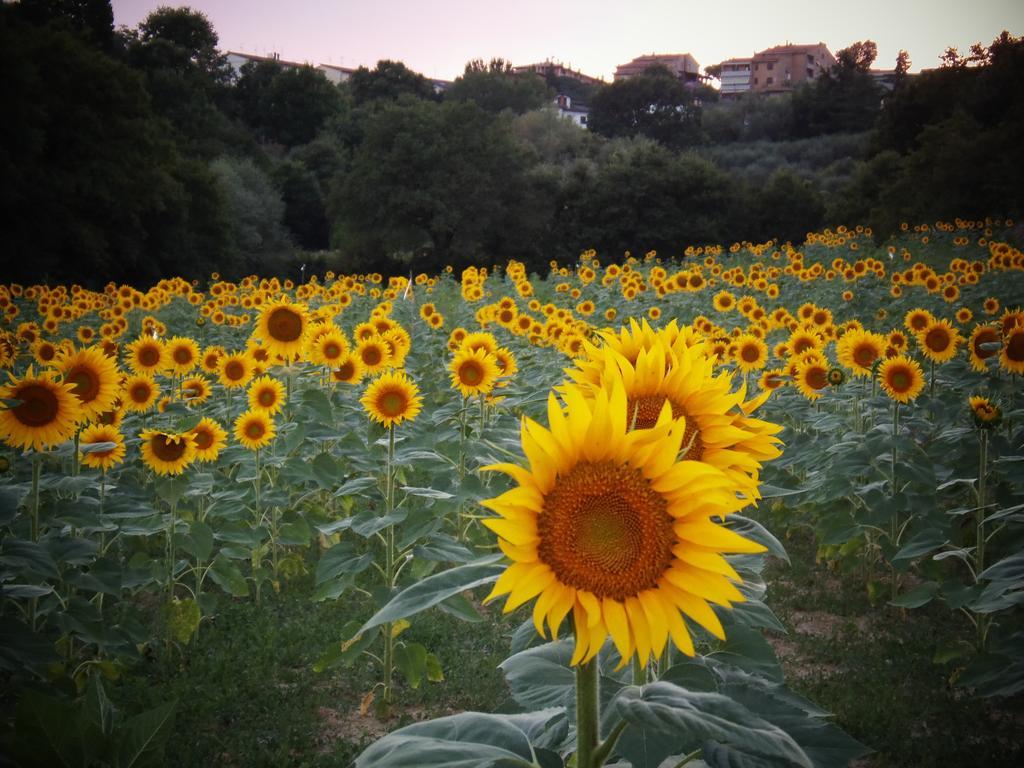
column 782, row 68
column 682, row 65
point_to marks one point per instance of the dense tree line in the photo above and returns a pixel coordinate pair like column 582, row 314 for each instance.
column 137, row 153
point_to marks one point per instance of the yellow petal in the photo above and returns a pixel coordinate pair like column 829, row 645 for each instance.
column 514, row 532
column 582, row 636
column 562, row 604
column 590, row 605
column 679, row 633
column 530, row 584
column 506, row 581
column 708, row 534
column 641, row 632
column 656, row 620
column 618, row 626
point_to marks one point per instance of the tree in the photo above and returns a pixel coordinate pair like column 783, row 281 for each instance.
column 388, row 81
column 655, row 104
column 495, row 87
column 286, row 105
column 436, row 183
column 186, row 32
column 304, row 213
column 92, row 18
column 94, row 189
column 857, row 57
column 902, row 66
column 255, row 212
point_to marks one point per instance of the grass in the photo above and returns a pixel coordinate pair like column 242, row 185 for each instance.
column 871, row 665
column 248, row 695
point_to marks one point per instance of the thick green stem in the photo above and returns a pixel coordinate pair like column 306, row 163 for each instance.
column 37, row 468
column 895, row 517
column 483, row 413
column 170, row 551
column 983, row 619
column 588, row 721
column 255, row 557
column 384, row 709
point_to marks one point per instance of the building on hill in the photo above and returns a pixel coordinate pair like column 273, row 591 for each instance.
column 578, row 113
column 336, row 74
column 556, row 69
column 682, row 65
column 734, row 77
column 238, row 60
column 784, row 67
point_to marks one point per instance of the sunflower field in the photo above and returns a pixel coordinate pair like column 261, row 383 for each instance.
column 598, row 467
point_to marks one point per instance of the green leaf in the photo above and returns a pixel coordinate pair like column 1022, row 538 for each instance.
column 44, row 731
column 541, row 677
column 754, row 531
column 28, row 556
column 665, row 720
column 461, row 608
column 226, row 575
column 467, row 740
column 427, row 493
column 434, row 672
column 918, row 596
column 1008, row 569
column 341, row 559
column 145, row 738
column 23, row 591
column 748, row 650
column 98, row 709
column 923, row 543
column 440, row 586
column 326, row 472
column 295, row 533
column 346, row 651
column 199, row 541
column 171, row 489
column 356, row 486
column 318, row 402
column 411, row 659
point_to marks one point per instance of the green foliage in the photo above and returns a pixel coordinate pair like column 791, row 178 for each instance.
column 654, row 104
column 388, row 81
column 494, row 87
column 288, row 106
column 254, row 209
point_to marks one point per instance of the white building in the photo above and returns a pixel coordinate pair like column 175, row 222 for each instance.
column 735, row 76
column 577, row 113
column 335, row 73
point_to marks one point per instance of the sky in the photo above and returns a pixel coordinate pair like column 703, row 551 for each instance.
column 438, row 37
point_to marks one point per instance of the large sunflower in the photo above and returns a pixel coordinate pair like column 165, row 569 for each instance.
column 235, row 370
column 751, row 353
column 374, row 354
column 1011, row 356
column 167, row 453
column 281, row 327
column 607, row 523
column 719, row 429
column 209, row 437
column 391, row 399
column 328, row 348
column 140, row 392
column 349, row 370
column 982, row 334
column 148, row 355
column 858, row 350
column 901, row 378
column 939, row 341
column 183, row 354
column 47, row 412
column 103, row 458
column 266, row 394
column 811, row 378
column 254, row 429
column 474, row 372
column 95, row 379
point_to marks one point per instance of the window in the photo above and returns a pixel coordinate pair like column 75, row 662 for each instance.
column 770, row 80
column 755, row 81
column 810, row 73
column 771, row 67
column 810, row 59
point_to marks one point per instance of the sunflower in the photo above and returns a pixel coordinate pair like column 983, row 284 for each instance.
column 328, row 348
column 391, row 399
column 140, row 392
column 210, row 361
column 607, row 524
column 95, row 379
column 939, row 341
column 916, row 320
column 102, row 458
column 507, row 365
column 751, row 353
column 195, row 390
column 267, row 395
column 901, row 378
column 373, row 354
column 45, row 352
column 235, row 370
column 986, row 414
column 811, row 378
column 474, row 373
column 858, row 351
column 47, row 412
column 982, row 335
column 771, row 379
column 349, row 371
column 1011, row 356
column 724, row 301
column 254, row 429
column 209, row 438
column 480, row 340
column 148, row 355
column 167, row 453
column 183, row 354
column 281, row 327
